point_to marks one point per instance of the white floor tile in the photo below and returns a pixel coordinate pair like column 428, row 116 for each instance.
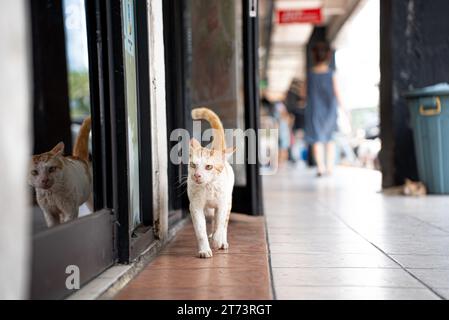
column 331, row 260
column 327, row 238
column 374, row 277
column 353, row 293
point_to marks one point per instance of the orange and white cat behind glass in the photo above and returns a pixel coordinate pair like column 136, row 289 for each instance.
column 63, row 184
column 209, row 186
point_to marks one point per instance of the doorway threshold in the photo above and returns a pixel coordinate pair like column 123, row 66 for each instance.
column 107, row 284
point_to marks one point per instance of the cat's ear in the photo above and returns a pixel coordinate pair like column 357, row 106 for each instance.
column 228, row 152
column 58, row 150
column 194, row 144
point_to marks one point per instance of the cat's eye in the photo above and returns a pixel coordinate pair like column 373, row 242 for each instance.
column 192, row 165
column 52, row 169
column 209, row 167
column 34, row 172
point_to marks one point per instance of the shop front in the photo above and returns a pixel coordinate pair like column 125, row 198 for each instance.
column 137, row 68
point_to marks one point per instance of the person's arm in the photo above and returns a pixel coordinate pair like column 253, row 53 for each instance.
column 339, row 99
column 337, row 93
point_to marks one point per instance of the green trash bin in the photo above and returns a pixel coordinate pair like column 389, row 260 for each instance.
column 429, row 110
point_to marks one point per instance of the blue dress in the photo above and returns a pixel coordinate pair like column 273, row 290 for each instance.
column 321, row 109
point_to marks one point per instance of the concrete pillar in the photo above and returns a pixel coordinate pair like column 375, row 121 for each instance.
column 15, row 146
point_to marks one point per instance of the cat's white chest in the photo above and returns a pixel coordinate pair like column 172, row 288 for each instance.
column 212, row 198
column 213, row 191
column 45, row 198
column 209, row 195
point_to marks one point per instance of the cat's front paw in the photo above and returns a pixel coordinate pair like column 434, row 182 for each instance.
column 204, row 254
column 224, row 246
column 218, row 242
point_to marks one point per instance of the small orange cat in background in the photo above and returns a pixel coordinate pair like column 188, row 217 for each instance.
column 63, row 184
column 409, row 188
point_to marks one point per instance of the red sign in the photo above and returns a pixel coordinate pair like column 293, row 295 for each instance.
column 299, row 16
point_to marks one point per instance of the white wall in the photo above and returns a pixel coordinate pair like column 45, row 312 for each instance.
column 158, row 117
column 15, row 217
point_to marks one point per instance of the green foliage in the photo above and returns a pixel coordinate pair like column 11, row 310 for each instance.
column 79, row 93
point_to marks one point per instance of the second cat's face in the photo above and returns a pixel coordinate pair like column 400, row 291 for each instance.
column 46, row 169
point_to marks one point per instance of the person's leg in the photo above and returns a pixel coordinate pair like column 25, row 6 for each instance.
column 284, row 153
column 318, row 154
column 330, row 156
column 283, row 156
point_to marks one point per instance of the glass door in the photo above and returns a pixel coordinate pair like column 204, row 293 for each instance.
column 212, row 61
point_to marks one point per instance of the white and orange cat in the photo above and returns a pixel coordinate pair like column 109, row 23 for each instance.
column 62, row 183
column 209, row 185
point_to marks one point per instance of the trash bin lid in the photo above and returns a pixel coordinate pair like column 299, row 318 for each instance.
column 440, row 89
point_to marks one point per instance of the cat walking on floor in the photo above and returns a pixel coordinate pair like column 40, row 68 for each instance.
column 62, row 183
column 209, row 185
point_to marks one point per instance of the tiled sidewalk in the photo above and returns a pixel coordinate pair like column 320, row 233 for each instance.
column 240, row 273
column 339, row 238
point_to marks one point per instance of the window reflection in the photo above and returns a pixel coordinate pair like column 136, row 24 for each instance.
column 48, row 173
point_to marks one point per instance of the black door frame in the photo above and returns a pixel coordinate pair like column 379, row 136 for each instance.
column 143, row 235
column 177, row 99
column 131, row 243
column 49, row 76
column 248, row 199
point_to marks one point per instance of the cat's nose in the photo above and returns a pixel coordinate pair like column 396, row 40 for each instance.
column 44, row 180
column 197, row 175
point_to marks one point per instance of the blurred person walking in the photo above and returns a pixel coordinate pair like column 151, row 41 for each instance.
column 321, row 110
column 295, row 103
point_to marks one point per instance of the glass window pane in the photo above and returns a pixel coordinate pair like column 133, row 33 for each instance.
column 77, row 58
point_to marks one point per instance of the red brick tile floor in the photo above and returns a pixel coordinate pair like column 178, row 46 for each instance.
column 241, row 272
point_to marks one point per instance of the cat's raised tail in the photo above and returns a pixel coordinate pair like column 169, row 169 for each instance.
column 81, row 148
column 215, row 123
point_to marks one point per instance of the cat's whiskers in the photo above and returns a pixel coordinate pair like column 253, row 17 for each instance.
column 182, row 181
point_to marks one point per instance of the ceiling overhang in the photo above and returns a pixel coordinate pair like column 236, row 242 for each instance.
column 288, row 41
